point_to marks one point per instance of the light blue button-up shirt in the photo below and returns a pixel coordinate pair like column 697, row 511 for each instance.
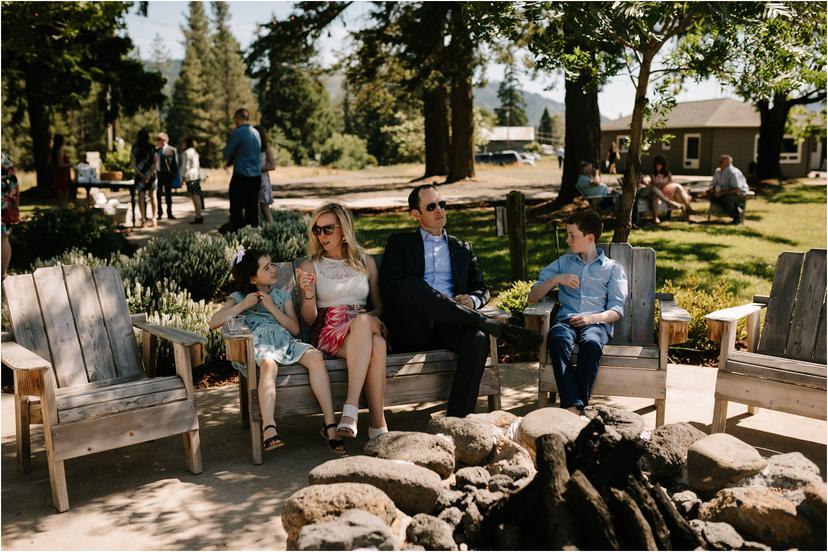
column 245, row 147
column 728, row 179
column 438, row 272
column 603, row 286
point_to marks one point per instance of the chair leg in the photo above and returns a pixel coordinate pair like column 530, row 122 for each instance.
column 494, row 402
column 719, row 416
column 543, row 398
column 192, row 451
column 21, row 419
column 660, row 406
column 57, row 478
column 752, row 409
column 255, row 430
column 244, row 403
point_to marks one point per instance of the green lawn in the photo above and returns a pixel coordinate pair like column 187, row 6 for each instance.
column 792, row 219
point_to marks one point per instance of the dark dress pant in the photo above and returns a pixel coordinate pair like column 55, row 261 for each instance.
column 731, row 204
column 244, row 200
column 164, row 191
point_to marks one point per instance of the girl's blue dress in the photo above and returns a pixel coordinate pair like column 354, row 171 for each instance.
column 270, row 339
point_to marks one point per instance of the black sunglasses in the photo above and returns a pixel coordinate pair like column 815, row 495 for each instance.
column 431, row 206
column 328, row 229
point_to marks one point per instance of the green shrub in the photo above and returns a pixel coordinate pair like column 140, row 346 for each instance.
column 346, row 151
column 515, row 298
column 119, row 160
column 52, row 232
column 284, row 240
column 700, row 302
column 198, row 263
column 81, row 257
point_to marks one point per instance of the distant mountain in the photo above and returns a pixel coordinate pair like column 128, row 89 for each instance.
column 487, row 97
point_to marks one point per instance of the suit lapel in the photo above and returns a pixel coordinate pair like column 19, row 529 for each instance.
column 419, row 254
column 456, row 252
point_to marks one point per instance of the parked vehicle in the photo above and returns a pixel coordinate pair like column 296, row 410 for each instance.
column 499, row 158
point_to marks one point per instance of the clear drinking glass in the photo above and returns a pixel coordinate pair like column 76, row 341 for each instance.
column 235, row 324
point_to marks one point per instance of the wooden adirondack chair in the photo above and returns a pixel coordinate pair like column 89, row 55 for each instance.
column 784, row 367
column 411, row 377
column 634, row 363
column 77, row 371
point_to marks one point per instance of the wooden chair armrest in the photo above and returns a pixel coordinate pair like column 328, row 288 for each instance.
column 718, row 321
column 236, row 336
column 733, row 314
column 538, row 317
column 541, row 309
column 496, row 313
column 19, row 358
column 173, row 335
column 673, row 323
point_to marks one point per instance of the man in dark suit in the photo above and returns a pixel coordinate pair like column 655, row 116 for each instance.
column 432, row 288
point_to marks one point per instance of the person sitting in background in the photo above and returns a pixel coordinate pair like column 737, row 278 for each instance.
column 590, row 185
column 728, row 189
column 672, row 193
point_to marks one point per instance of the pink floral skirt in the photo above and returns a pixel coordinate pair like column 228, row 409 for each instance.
column 332, row 325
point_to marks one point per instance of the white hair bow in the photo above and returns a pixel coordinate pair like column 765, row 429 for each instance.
column 237, row 257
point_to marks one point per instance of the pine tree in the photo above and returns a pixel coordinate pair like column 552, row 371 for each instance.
column 232, row 89
column 191, row 107
column 512, row 110
column 545, row 127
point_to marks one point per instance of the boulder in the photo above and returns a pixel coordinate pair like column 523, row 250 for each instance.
column 687, row 503
column 453, row 516
column 715, row 461
column 759, row 514
column 507, row 455
column 628, row 425
column 722, row 536
column 473, row 440
column 501, row 483
column 431, row 533
column 666, row 451
column 813, row 509
column 471, row 523
column 498, row 418
column 433, row 452
column 449, row 498
column 791, row 471
column 321, row 503
column 413, row 489
column 355, row 529
column 485, row 498
column 475, row 476
column 544, row 421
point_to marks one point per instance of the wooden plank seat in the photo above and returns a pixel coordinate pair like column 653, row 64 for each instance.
column 784, row 367
column 634, row 362
column 411, row 378
column 77, row 371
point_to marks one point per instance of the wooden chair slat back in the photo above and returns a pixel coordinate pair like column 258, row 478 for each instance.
column 774, row 336
column 819, row 348
column 89, row 322
column 639, row 309
column 810, row 298
column 59, row 320
column 622, row 254
column 26, row 318
column 115, row 312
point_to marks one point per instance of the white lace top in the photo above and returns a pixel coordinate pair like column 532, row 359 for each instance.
column 338, row 283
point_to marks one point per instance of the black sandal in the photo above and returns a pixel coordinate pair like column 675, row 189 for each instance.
column 336, row 446
column 271, row 443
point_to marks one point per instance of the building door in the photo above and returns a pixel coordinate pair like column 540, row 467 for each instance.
column 692, row 151
column 815, row 162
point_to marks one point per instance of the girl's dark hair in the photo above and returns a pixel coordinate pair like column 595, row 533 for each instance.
column 57, row 143
column 263, row 136
column 143, row 144
column 665, row 170
column 188, row 142
column 246, row 269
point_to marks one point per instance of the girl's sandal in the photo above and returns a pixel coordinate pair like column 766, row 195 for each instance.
column 271, row 443
column 336, row 446
column 345, row 429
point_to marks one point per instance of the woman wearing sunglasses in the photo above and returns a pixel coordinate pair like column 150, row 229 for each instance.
column 337, row 282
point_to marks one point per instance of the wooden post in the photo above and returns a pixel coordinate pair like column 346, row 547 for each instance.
column 516, row 220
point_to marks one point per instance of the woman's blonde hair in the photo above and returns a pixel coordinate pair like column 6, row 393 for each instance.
column 353, row 252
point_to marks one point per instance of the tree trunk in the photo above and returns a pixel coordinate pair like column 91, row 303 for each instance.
column 582, row 140
column 435, row 112
column 771, row 134
column 461, row 54
column 39, row 128
column 632, row 170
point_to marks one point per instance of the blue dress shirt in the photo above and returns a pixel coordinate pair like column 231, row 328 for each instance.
column 728, row 179
column 244, row 147
column 438, row 272
column 603, row 286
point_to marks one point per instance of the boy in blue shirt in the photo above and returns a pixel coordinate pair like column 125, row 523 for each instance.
column 592, row 292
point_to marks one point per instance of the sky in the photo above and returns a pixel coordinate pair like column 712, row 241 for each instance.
column 165, row 18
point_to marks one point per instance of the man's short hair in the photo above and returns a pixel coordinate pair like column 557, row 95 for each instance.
column 588, row 222
column 414, row 196
column 582, row 166
column 242, row 113
column 162, row 136
column 726, row 156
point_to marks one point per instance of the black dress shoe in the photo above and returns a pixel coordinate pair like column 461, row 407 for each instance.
column 198, row 220
column 521, row 338
column 171, row 216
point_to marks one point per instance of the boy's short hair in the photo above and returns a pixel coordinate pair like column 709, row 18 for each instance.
column 242, row 114
column 588, row 222
column 414, row 196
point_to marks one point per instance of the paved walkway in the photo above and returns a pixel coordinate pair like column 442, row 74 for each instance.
column 141, row 497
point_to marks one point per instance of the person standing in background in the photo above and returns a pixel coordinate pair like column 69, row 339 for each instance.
column 243, row 151
column 61, row 170
column 267, row 164
column 166, row 168
column 142, row 159
column 10, row 208
column 560, row 154
column 191, row 172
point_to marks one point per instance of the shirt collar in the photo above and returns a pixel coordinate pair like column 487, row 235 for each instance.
column 428, row 237
column 601, row 258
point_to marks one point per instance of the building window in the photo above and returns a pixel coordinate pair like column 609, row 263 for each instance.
column 665, row 146
column 791, row 150
column 692, row 151
column 623, row 143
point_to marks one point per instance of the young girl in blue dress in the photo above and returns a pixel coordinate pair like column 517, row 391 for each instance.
column 269, row 313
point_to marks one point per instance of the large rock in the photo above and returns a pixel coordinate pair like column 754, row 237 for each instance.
column 687, row 503
column 544, row 421
column 508, row 455
column 434, row 452
column 473, row 440
column 431, row 533
column 474, row 476
column 717, row 460
column 791, row 471
column 321, row 503
column 355, row 529
column 413, row 489
column 758, row 514
column 666, row 451
column 627, row 425
column 722, row 536
column 813, row 509
column 498, row 418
